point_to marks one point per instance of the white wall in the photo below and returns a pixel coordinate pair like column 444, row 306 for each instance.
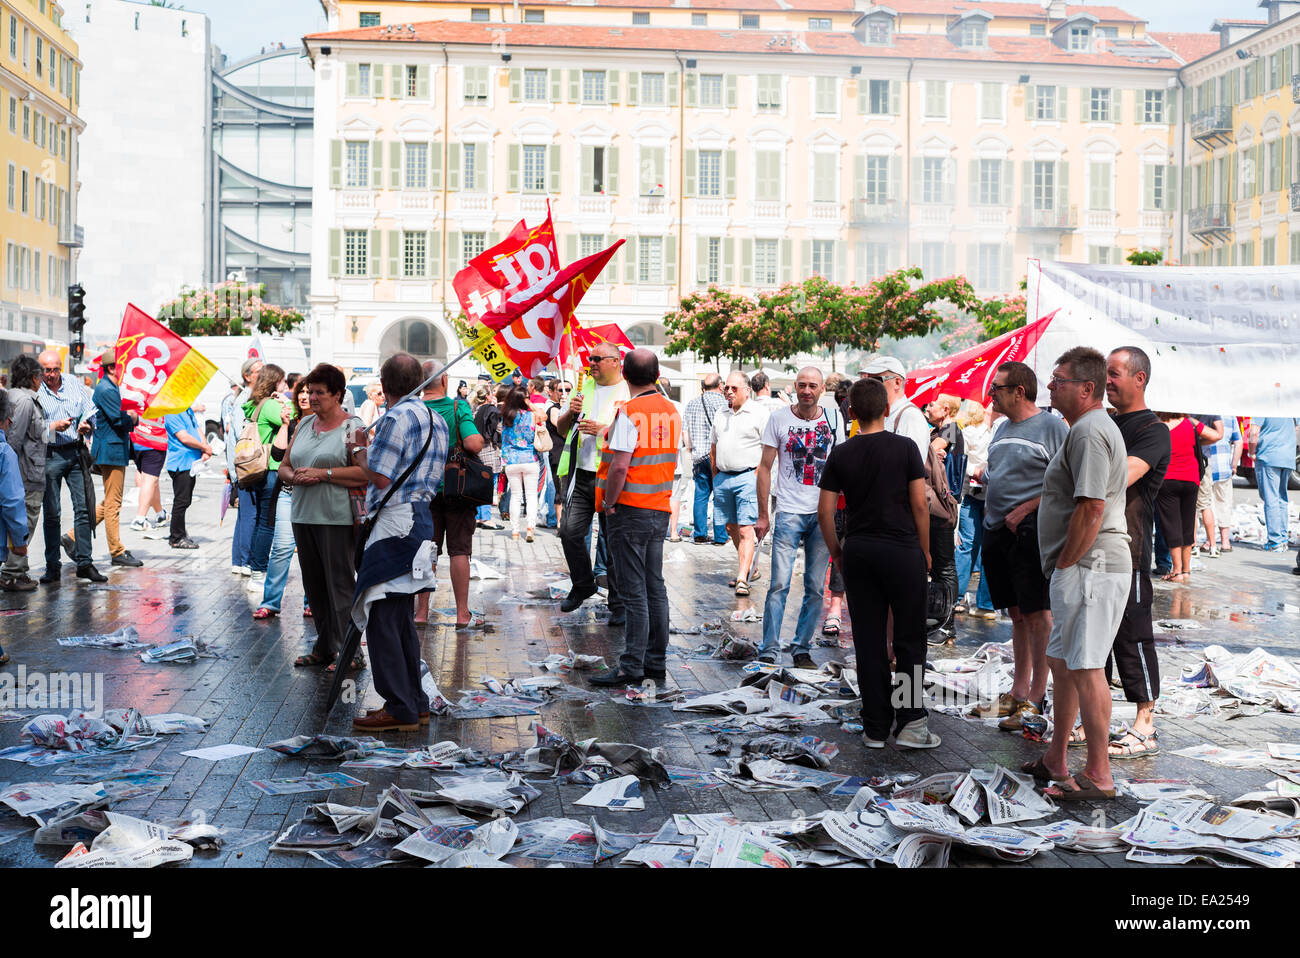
column 143, row 155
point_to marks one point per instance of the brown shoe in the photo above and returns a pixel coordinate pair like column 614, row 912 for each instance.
column 1012, row 722
column 378, row 720
column 1005, row 705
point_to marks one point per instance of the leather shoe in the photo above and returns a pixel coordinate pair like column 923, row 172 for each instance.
column 379, row 720
column 185, row 543
column 91, row 573
column 51, row 576
column 126, row 559
column 68, row 544
column 576, row 597
column 18, row 583
column 602, row 581
column 615, row 677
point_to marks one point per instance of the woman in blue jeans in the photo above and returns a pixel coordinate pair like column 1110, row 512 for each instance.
column 264, row 408
column 977, row 429
column 282, row 543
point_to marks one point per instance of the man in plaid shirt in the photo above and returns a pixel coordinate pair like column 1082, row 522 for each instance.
column 1215, row 497
column 697, row 420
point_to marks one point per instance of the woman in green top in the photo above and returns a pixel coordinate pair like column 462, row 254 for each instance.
column 263, row 407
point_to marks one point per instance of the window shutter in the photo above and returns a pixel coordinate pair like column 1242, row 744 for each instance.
column 574, row 80
column 336, row 164
column 670, row 259
column 730, row 81
column 895, row 97
column 336, row 254
column 896, row 179
column 841, row 262
column 692, row 89
column 1148, row 187
column 395, row 166
column 1063, row 187
column 588, row 170
column 493, row 238
column 455, row 250
column 1027, row 184
column 629, row 260
column 1062, row 105
column 863, row 86
column 433, row 255
column 673, row 81
column 396, row 80
column 728, row 262
column 701, row 259
column 787, row 260
column 1284, row 162
column 611, row 170
column 1008, row 266
column 553, row 169
column 1031, row 94
column 453, row 166
column 512, row 168
column 1008, row 181
column 633, row 87
column 376, row 165
column 482, row 171
column 422, row 81
column 557, row 81
column 1187, row 192
column 375, row 254
column 394, row 254
column 805, row 255
column 1171, row 187
column 917, row 190
column 950, row 259
column 973, row 264
column 729, row 187
column 516, row 84
column 950, row 181
column 973, row 187
column 860, row 263
column 746, row 262
column 859, row 177
column 611, row 86
column 1117, row 105
column 435, row 164
column 352, row 80
column 377, row 80
column 691, row 163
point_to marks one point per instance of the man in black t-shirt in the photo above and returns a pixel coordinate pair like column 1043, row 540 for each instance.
column 1146, row 439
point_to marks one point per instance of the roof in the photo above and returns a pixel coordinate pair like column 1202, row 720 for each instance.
column 1001, row 8
column 917, row 46
column 1187, row 46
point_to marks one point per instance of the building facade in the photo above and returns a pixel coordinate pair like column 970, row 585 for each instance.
column 745, row 149
column 145, row 155
column 40, row 93
column 260, row 184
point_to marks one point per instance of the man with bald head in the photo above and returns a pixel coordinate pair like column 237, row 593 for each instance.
column 736, row 450
column 796, row 442
column 69, row 409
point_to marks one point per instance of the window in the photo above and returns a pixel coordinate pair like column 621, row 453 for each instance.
column 769, row 93
column 711, row 89
column 1101, row 255
column 825, row 96
column 534, row 16
column 650, row 259
column 1273, row 161
column 974, row 34
column 991, row 100
column 933, row 259
column 417, row 166
column 38, row 197
column 711, row 268
column 710, row 173
column 932, row 179
column 1080, row 39
column 473, row 157
column 876, row 187
column 749, row 21
column 593, row 86
column 1099, row 185
column 40, row 44
column 872, row 260
column 27, row 122
column 480, row 14
column 878, row 31
column 878, row 97
column 412, row 83
column 535, row 86
column 1044, row 184
column 819, row 23
column 13, row 38
column 936, row 99
column 357, row 165
column 767, row 176
column 640, row 18
column 767, row 262
column 699, row 19
column 414, row 254
column 1153, row 106
column 13, row 183
column 472, row 244
column 652, row 89
column 823, row 258
column 825, row 175
column 534, row 169
column 476, row 86
column 1044, row 103
column 370, row 19
column 1099, row 104
column 988, row 266
column 363, row 79
column 355, row 252
column 1268, row 252
column 23, row 208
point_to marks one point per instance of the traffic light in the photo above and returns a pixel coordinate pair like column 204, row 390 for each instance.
column 76, row 310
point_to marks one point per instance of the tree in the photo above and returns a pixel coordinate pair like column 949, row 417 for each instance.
column 892, row 305
column 698, row 324
column 819, row 312
column 228, row 309
column 1145, row 257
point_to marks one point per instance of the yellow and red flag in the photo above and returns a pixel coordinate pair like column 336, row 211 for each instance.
column 585, row 339
column 161, row 373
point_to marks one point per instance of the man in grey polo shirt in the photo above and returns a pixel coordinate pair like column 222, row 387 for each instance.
column 735, row 451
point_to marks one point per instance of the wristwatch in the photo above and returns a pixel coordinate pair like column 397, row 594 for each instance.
column 329, row 475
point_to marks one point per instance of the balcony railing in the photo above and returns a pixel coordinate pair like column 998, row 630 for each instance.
column 72, row 236
column 651, row 206
column 1057, row 219
column 1214, row 123
column 869, row 213
column 1208, row 219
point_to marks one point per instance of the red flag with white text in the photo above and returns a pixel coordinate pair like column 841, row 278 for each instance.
column 161, row 373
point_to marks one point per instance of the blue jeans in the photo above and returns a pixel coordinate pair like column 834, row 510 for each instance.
column 548, row 495
column 1164, row 558
column 703, row 474
column 483, row 514
column 789, row 531
column 63, row 464
column 1272, row 489
column 277, row 569
column 970, row 530
column 259, row 554
column 245, row 522
column 637, row 542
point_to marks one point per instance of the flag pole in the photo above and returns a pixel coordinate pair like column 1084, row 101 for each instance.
column 414, row 393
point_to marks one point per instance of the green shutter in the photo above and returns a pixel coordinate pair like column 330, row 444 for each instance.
column 633, row 87
column 375, row 254
column 1149, row 187
column 1031, row 94
column 422, row 81
column 728, row 262
column 896, row 179
column 377, row 80
column 692, row 159
column 973, row 262
column 376, row 165
column 574, row 85
column 787, row 260
column 553, row 169
column 336, row 164
column 729, row 185
column 433, row 259
column 917, row 165
column 864, row 85
column 973, row 188
column 571, row 247
column 482, row 171
column 629, row 261
column 670, row 260
column 435, row 164
column 1007, row 260
column 611, row 86
column 859, row 177
column 352, row 80
column 396, row 81
column 1063, row 187
column 841, row 261
column 732, row 99
column 611, row 170
column 455, row 250
column 1117, row 105
column 1027, row 184
column 557, row 81
column 1062, row 105
column 1008, row 181
column 895, row 97
column 588, row 185
column 692, row 90
column 516, row 84
column 701, row 259
column 395, row 166
column 394, row 254
column 805, row 257
column 1171, row 187
column 512, row 168
column 673, row 82
column 453, row 166
column 746, row 262
column 336, row 254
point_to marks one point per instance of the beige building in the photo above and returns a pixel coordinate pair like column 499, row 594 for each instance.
column 742, row 145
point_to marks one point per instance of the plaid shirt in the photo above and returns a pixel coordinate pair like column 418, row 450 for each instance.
column 398, row 438
column 697, row 419
column 1219, row 453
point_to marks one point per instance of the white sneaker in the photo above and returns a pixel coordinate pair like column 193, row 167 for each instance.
column 239, row 570
column 139, row 525
column 917, row 735
column 160, row 519
column 256, row 582
column 870, row 742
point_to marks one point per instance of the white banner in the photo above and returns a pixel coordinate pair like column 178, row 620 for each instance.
column 1221, row 340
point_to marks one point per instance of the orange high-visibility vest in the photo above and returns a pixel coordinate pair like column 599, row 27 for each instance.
column 649, row 483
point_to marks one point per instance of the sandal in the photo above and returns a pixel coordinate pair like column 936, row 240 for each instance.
column 961, row 608
column 731, row 583
column 475, row 622
column 306, row 612
column 265, row 613
column 310, row 659
column 4, row 658
column 1040, row 771
column 1083, row 790
column 1128, row 749
column 356, row 665
column 742, row 588
column 831, row 626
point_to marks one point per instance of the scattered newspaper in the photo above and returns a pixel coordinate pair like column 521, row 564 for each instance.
column 730, row 847
column 1232, row 757
column 182, row 650
column 437, row 843
column 126, row 639
column 326, row 746
column 1012, row 798
column 617, row 794
column 311, row 782
column 923, row 851
column 1077, row 837
column 1150, row 789
column 772, row 775
column 44, row 801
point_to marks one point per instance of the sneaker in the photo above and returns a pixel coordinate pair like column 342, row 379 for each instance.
column 767, row 658
column 138, row 524
column 1012, row 722
column 256, row 582
column 1280, row 547
column 126, row 559
column 239, row 570
column 18, row 583
column 870, row 742
column 160, row 519
column 802, row 660
column 917, row 735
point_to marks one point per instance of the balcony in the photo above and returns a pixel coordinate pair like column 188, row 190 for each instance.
column 1212, row 126
column 532, row 204
column 72, row 236
column 1099, row 220
column 825, row 212
column 707, row 208
column 932, row 216
column 1060, row 219
column 768, row 209
column 357, row 200
column 991, row 215
column 1153, row 220
column 474, row 202
column 594, row 205
column 1209, row 223
column 871, row 213
column 1295, row 197
column 651, row 206
column 410, row 201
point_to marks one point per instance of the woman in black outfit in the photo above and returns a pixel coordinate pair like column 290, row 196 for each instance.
column 884, row 560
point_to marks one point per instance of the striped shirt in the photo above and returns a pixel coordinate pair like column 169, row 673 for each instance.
column 72, row 401
column 698, row 421
column 398, row 438
column 1219, row 453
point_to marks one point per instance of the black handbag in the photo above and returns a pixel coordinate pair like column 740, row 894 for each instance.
column 363, row 533
column 467, row 481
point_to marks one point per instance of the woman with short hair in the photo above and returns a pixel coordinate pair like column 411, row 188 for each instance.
column 263, row 407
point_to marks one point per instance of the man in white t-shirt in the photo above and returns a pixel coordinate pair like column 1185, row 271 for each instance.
column 796, row 443
column 735, row 451
column 904, row 417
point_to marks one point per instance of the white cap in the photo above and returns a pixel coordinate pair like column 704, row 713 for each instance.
column 883, row 364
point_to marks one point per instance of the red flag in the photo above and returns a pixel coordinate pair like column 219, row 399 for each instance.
column 585, row 339
column 967, row 374
column 513, row 271
column 161, row 373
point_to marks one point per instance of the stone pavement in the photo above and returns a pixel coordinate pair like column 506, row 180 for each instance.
column 252, row 694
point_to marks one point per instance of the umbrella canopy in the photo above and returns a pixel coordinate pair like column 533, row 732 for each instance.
column 968, row 374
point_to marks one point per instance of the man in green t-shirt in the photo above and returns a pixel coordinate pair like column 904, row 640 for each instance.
column 453, row 525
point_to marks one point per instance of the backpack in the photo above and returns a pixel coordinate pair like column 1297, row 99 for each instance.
column 937, row 495
column 252, row 456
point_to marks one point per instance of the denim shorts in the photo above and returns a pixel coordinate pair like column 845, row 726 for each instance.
column 735, row 497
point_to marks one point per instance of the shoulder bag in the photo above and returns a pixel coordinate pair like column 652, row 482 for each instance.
column 466, row 480
column 938, row 498
column 363, row 534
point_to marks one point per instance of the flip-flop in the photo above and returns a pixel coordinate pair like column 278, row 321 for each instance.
column 1129, row 752
column 309, row 660
column 831, row 626
column 1085, row 790
column 356, row 665
column 731, row 583
column 475, row 622
column 1040, row 771
column 265, row 613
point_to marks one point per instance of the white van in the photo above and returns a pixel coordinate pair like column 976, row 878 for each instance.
column 229, row 353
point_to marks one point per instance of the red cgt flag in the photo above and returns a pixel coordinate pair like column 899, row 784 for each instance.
column 512, row 272
column 967, row 374
column 585, row 339
column 161, row 373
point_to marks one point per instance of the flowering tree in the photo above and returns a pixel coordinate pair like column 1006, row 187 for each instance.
column 228, row 309
column 698, row 324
